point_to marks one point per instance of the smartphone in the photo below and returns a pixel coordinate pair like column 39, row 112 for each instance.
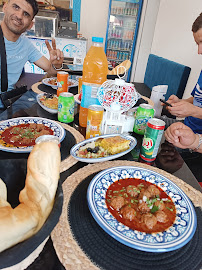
column 165, row 102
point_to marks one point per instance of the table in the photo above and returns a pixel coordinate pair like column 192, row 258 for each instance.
column 27, row 106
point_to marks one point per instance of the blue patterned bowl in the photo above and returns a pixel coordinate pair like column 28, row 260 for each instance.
column 58, row 131
column 176, row 236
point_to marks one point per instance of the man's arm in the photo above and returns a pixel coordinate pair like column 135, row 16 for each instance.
column 184, row 107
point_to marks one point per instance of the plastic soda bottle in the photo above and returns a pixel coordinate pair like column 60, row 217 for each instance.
column 95, row 69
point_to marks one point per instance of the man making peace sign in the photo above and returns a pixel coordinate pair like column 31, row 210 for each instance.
column 18, row 17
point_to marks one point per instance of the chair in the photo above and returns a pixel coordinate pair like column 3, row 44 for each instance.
column 159, row 71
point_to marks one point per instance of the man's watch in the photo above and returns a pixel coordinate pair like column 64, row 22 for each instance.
column 199, row 143
column 57, row 69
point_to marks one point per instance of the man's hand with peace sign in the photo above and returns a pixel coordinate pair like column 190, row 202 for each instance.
column 56, row 56
column 56, row 59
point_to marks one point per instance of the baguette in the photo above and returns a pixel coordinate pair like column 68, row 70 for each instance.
column 121, row 68
column 36, row 199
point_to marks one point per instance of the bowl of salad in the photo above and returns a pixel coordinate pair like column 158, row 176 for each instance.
column 48, row 102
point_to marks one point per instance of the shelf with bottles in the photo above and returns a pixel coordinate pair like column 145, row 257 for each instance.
column 118, row 49
column 117, row 55
column 123, row 15
column 122, row 25
column 120, row 34
column 120, row 44
column 124, row 11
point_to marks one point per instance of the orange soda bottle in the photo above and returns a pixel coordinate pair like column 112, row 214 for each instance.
column 95, row 69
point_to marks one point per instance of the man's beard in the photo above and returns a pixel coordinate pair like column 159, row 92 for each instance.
column 12, row 27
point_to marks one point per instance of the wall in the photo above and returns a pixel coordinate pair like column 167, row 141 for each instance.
column 165, row 30
column 94, row 15
column 144, row 39
column 173, row 38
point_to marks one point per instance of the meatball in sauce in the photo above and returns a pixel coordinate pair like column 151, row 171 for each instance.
column 140, row 205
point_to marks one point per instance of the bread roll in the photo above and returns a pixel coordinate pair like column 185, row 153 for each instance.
column 121, row 68
column 36, row 199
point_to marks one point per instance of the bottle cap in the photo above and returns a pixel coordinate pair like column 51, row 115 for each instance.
column 97, row 39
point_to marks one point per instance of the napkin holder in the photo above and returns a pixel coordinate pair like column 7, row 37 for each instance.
column 113, row 120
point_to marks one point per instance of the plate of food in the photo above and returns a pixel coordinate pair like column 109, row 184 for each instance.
column 103, row 148
column 52, row 82
column 141, row 209
column 48, row 102
column 18, row 135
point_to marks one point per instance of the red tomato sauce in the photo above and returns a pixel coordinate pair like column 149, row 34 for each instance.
column 24, row 134
column 118, row 188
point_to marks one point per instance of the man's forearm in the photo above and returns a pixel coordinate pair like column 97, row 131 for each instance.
column 197, row 112
column 190, row 100
column 46, row 65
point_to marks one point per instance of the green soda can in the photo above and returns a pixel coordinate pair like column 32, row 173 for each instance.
column 66, row 107
column 143, row 114
column 152, row 139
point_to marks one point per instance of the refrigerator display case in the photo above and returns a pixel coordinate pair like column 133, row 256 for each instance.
column 122, row 30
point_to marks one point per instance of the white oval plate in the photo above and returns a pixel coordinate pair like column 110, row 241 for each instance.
column 57, row 129
column 43, row 106
column 46, row 82
column 76, row 147
column 176, row 236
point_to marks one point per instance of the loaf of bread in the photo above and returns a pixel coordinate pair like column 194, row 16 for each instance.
column 36, row 199
column 121, row 68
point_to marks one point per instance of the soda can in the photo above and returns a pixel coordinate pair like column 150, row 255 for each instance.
column 62, row 80
column 143, row 114
column 152, row 139
column 66, row 107
column 94, row 121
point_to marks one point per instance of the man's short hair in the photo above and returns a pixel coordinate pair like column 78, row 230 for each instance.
column 34, row 5
column 197, row 24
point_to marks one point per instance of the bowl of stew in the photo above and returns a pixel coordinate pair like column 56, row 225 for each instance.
column 141, row 209
column 18, row 135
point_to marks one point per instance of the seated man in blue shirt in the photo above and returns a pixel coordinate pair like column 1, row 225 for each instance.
column 191, row 108
column 18, row 17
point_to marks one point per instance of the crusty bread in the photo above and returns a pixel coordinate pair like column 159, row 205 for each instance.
column 36, row 199
column 115, row 145
column 121, row 68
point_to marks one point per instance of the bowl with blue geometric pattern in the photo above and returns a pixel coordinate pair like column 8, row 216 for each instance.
column 175, row 237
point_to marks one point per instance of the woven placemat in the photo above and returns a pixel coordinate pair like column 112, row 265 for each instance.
column 69, row 252
column 70, row 161
column 36, row 89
